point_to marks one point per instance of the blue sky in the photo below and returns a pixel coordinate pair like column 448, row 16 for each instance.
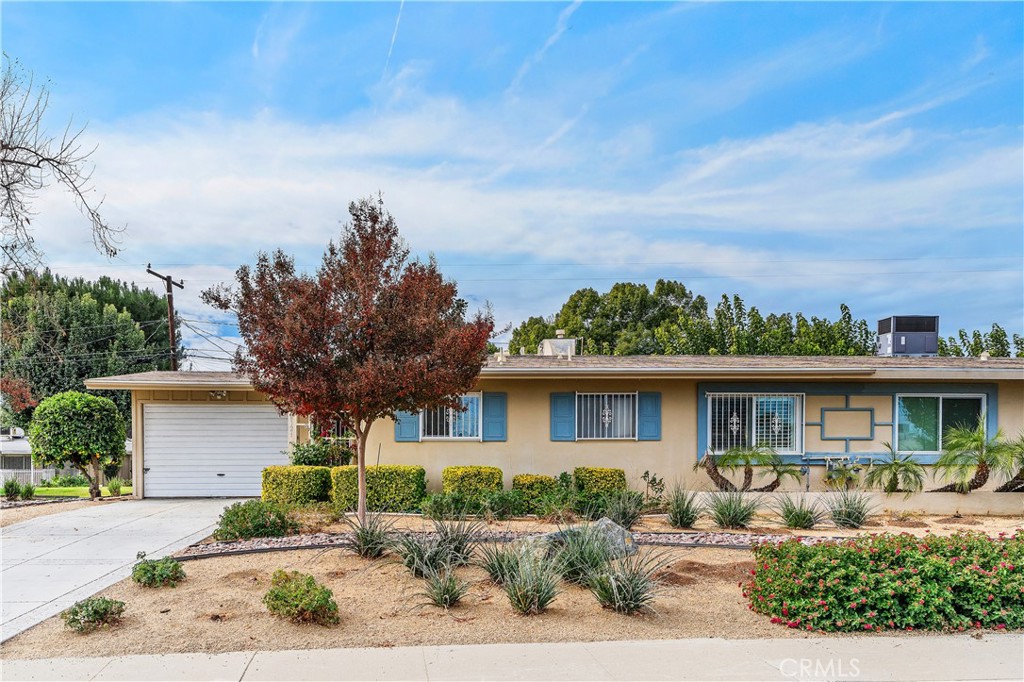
column 801, row 155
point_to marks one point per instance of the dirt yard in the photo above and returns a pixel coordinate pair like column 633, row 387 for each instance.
column 219, row 608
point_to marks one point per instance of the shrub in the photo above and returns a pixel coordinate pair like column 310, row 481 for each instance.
column 420, row 554
column 68, row 481
column 92, row 613
column 451, row 505
column 624, row 507
column 114, row 486
column 684, row 507
column 581, row 552
column 370, row 539
column 80, row 430
column 899, row 582
column 253, row 519
column 799, row 512
column 533, row 488
column 12, row 489
column 442, row 587
column 157, row 572
column 320, row 452
column 301, row 599
column 28, row 491
column 733, row 509
column 471, row 481
column 533, row 585
column 389, row 487
column 296, row 484
column 500, row 561
column 597, row 481
column 848, row 508
column 628, row 585
column 459, row 537
column 504, row 504
column 557, row 507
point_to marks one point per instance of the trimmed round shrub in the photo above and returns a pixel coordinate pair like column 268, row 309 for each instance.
column 253, row 519
column 301, row 599
column 296, row 484
column 79, row 430
column 596, row 481
column 389, row 487
column 471, row 481
column 533, row 488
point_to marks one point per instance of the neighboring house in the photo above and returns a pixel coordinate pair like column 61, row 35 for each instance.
column 16, row 459
column 210, row 433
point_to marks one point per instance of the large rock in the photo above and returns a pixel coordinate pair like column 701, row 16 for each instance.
column 617, row 539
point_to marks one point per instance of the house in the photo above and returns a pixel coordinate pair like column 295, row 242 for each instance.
column 210, row 434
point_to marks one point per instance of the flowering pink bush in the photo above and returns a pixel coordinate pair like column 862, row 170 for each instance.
column 886, row 582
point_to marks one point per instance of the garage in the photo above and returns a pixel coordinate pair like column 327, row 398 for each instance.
column 210, row 449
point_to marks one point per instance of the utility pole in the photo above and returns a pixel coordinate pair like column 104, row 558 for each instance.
column 169, row 283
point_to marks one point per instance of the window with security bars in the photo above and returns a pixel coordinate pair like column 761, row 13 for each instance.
column 746, row 420
column 446, row 423
column 606, row 416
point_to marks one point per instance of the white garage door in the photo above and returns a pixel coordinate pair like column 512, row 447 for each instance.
column 206, row 450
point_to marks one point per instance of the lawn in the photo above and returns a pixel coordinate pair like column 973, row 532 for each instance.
column 77, row 491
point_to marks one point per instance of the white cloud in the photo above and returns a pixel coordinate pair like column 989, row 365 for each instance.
column 561, row 26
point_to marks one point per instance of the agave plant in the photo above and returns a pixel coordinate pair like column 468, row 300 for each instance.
column 969, row 456
column 746, row 459
column 895, row 473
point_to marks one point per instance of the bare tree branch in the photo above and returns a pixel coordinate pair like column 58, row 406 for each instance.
column 30, row 160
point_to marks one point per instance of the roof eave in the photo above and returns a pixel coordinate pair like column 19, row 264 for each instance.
column 102, row 385
column 668, row 372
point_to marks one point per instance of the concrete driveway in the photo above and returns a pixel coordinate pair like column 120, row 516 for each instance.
column 49, row 563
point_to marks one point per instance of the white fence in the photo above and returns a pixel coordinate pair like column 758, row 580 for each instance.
column 34, row 476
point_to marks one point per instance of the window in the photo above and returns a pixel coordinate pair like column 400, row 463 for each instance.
column 448, row 424
column 922, row 419
column 605, row 416
column 746, row 420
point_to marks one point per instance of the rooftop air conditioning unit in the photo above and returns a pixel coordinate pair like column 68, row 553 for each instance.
column 908, row 336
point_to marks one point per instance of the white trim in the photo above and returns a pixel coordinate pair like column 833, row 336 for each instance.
column 467, row 439
column 799, row 417
column 636, row 414
column 941, row 397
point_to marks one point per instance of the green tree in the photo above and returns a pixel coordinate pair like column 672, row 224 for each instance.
column 55, row 333
column 80, row 430
column 972, row 344
column 529, row 334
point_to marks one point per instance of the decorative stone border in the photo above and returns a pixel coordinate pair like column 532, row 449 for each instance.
column 7, row 504
column 335, row 540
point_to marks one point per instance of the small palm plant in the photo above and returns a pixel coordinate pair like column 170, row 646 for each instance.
column 969, row 456
column 1015, row 458
column 895, row 473
column 747, row 459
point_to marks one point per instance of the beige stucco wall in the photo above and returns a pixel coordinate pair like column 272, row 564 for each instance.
column 529, row 448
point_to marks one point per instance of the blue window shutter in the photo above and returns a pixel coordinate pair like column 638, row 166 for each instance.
column 563, row 416
column 495, row 417
column 648, row 416
column 407, row 427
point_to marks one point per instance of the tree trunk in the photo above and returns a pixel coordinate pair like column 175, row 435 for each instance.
column 361, row 433
column 1014, row 485
column 979, row 480
column 723, row 483
column 748, row 477
column 770, row 488
column 94, row 478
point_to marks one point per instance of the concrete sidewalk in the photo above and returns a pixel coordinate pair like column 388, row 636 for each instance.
column 992, row 657
column 50, row 562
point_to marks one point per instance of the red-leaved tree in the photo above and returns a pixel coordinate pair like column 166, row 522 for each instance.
column 370, row 333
